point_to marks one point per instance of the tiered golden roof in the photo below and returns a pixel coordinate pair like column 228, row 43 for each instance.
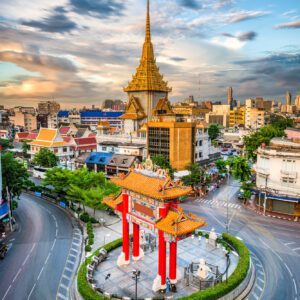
column 177, row 223
column 147, row 77
column 153, row 187
column 134, row 110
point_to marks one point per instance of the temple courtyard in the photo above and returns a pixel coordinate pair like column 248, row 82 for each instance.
column 189, row 250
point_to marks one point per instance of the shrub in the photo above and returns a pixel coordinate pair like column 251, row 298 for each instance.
column 88, row 248
column 218, row 240
column 84, row 217
column 91, row 241
column 93, row 220
column 200, row 233
column 14, row 204
column 238, row 275
column 91, row 235
column 206, row 235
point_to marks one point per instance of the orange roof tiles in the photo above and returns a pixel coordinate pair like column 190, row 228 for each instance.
column 47, row 134
column 177, row 223
column 151, row 186
column 113, row 201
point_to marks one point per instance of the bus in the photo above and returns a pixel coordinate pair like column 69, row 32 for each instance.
column 39, row 172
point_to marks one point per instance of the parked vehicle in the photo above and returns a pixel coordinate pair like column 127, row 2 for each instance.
column 3, row 250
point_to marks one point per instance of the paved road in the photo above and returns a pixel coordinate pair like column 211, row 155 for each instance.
column 35, row 262
column 274, row 244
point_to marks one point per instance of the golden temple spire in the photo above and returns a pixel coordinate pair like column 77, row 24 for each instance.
column 147, row 77
column 148, row 30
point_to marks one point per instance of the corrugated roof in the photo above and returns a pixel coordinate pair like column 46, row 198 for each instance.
column 63, row 114
column 99, row 158
column 101, row 114
column 122, row 161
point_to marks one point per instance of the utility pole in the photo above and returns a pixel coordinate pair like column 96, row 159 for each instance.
column 265, row 200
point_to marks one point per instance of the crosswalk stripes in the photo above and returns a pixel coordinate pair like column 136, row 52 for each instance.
column 217, row 203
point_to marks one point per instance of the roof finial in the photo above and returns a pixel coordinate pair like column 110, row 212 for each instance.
column 148, row 32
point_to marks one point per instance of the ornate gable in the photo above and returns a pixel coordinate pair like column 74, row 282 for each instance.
column 134, row 110
column 163, row 107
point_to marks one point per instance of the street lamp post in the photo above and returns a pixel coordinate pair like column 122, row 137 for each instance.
column 136, row 276
column 227, row 200
column 227, row 267
column 106, row 235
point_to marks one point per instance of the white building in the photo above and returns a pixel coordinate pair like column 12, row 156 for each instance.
column 278, row 174
column 205, row 152
column 52, row 140
column 254, row 117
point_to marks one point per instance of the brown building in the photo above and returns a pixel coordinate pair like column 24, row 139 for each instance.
column 259, row 102
column 25, row 120
column 48, row 107
column 288, row 98
column 230, row 96
column 173, row 140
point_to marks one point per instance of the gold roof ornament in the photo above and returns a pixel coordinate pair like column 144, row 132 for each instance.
column 147, row 77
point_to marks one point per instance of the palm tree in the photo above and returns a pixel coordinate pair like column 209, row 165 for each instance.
column 241, row 169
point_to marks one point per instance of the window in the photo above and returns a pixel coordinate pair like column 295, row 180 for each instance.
column 55, row 150
column 104, row 148
column 288, row 181
column 289, row 165
column 65, row 149
column 200, row 143
column 200, row 154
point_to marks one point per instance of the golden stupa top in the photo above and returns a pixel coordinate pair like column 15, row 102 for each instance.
column 147, row 77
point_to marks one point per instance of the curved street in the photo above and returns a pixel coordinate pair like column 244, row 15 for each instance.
column 274, row 244
column 38, row 251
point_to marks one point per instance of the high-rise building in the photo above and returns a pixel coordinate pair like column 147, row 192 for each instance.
column 145, row 89
column 288, row 98
column 237, row 116
column 230, row 96
column 48, row 107
column 297, row 102
column 259, row 102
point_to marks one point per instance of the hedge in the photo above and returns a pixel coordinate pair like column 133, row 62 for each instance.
column 235, row 279
column 84, row 287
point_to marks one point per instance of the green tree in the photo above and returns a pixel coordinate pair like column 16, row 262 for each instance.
column 14, row 175
column 59, row 179
column 76, row 194
column 256, row 139
column 241, row 169
column 25, row 148
column 213, row 131
column 280, row 122
column 221, row 165
column 197, row 176
column 163, row 163
column 93, row 198
column 45, row 158
column 5, row 144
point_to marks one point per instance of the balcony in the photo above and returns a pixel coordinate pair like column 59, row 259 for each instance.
column 290, row 174
column 262, row 171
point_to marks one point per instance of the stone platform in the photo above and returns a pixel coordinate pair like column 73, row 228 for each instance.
column 189, row 250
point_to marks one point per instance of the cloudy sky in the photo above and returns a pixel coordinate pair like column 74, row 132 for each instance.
column 80, row 52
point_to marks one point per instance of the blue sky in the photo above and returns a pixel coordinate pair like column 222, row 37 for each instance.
column 81, row 52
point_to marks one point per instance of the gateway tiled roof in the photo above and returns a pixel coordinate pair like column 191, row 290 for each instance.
column 113, row 201
column 177, row 223
column 151, row 186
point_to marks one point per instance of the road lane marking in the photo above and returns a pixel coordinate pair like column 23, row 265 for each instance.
column 17, row 275
column 67, row 277
column 295, row 286
column 68, row 269
column 31, row 291
column 261, row 280
column 32, row 248
column 38, row 278
column 257, row 286
column 24, row 262
column 56, row 232
column 53, row 244
column 288, row 269
column 47, row 258
column 296, row 249
column 255, row 296
column 289, row 243
column 6, row 292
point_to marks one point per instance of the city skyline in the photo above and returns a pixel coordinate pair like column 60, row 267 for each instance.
column 78, row 52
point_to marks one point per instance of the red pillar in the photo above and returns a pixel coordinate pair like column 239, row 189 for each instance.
column 162, row 258
column 173, row 262
column 126, row 242
column 162, row 251
column 136, row 241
